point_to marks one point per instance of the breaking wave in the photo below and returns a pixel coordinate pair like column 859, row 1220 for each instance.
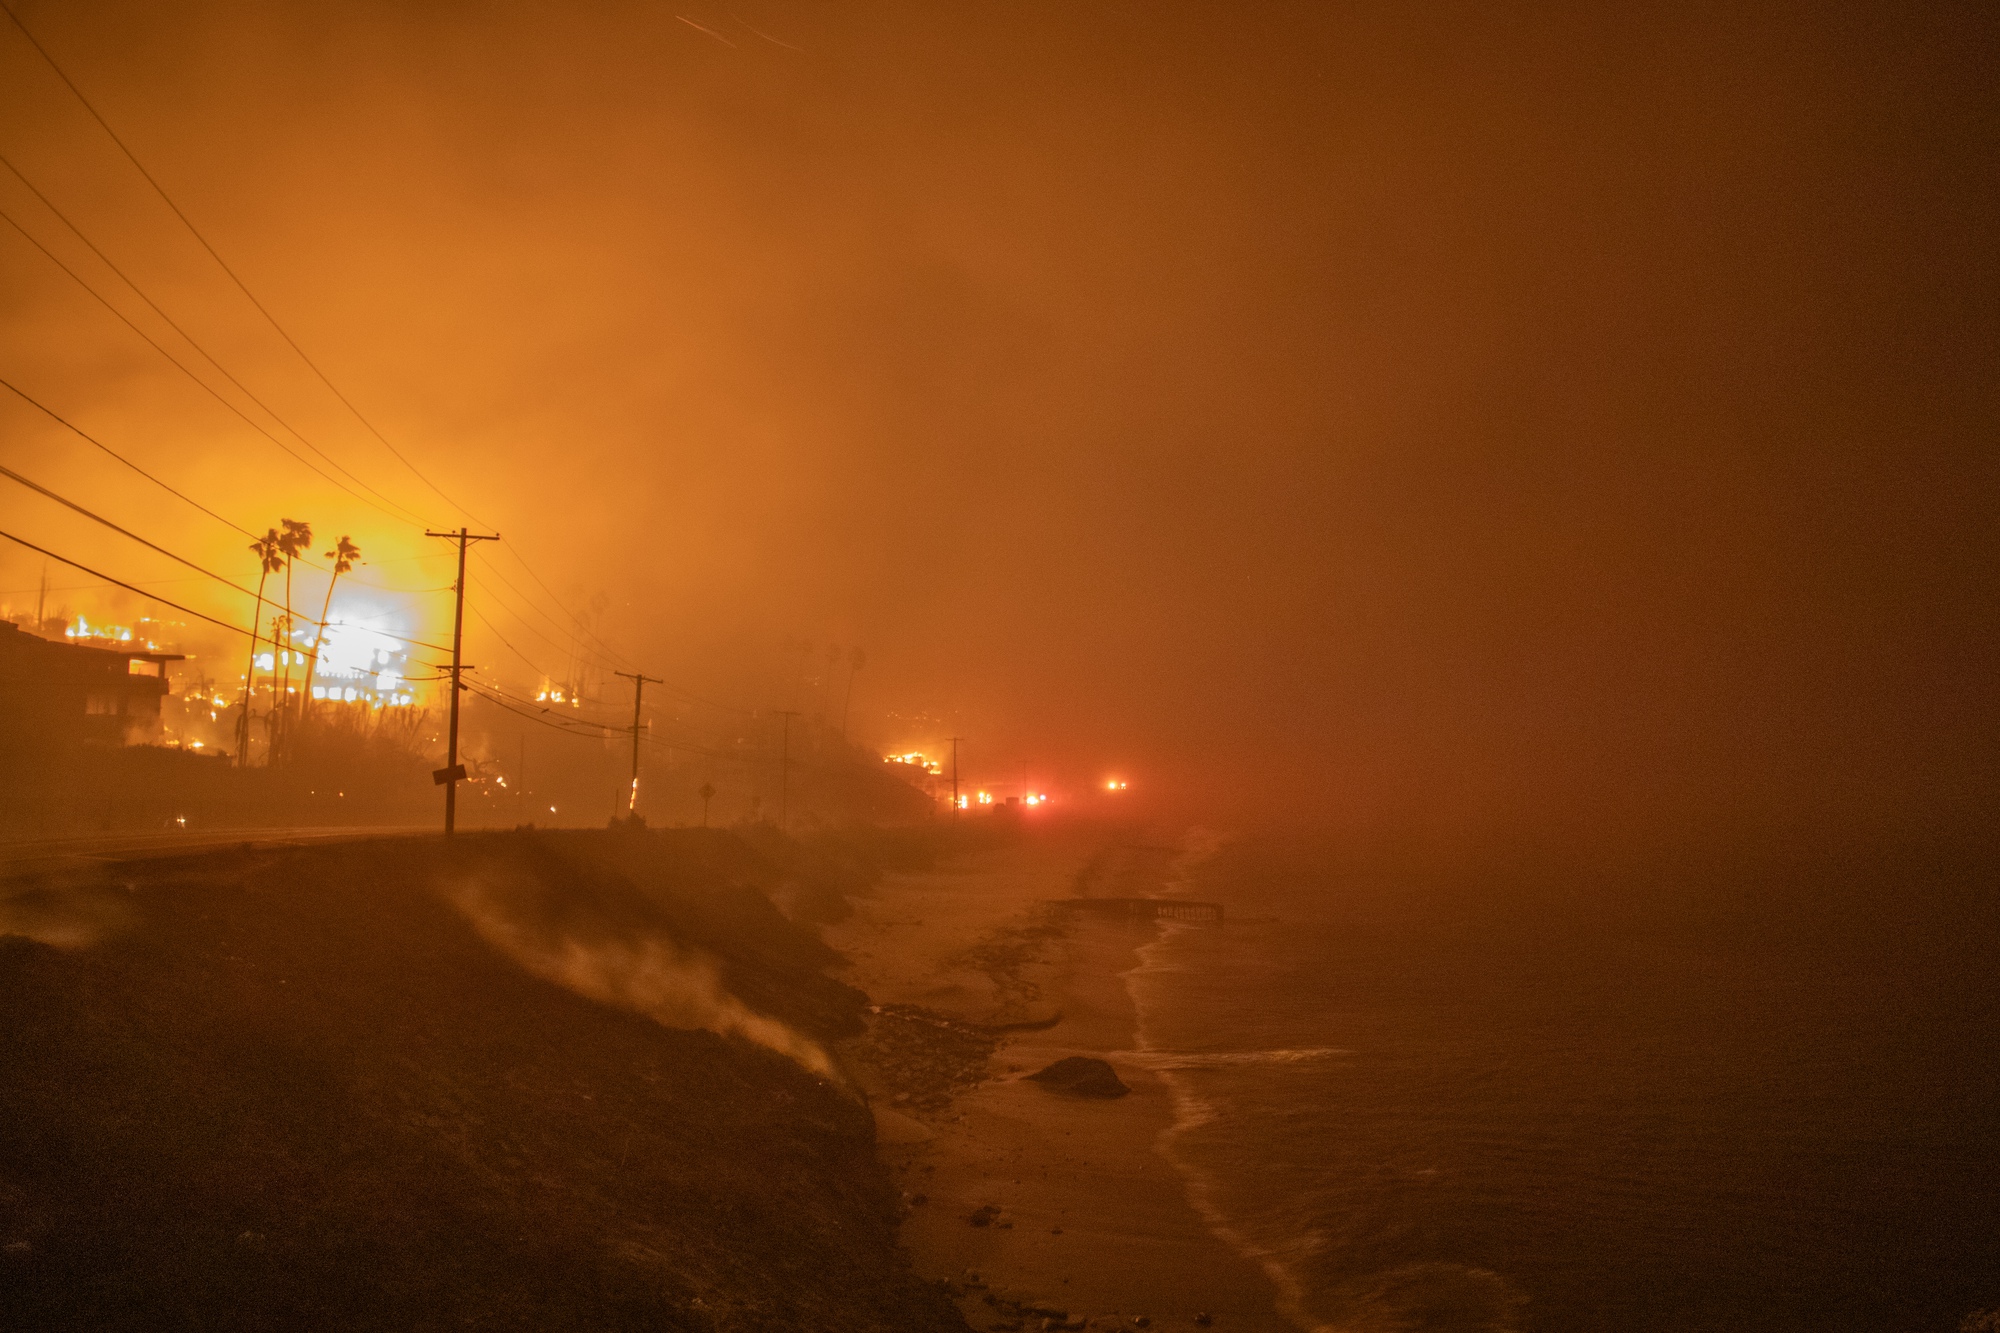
column 1164, row 1060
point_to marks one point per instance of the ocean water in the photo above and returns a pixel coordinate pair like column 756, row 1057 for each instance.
column 1730, row 1096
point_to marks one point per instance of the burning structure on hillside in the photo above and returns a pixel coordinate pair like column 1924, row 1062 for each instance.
column 79, row 692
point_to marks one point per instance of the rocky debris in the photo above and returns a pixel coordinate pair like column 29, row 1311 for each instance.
column 1031, row 1314
column 989, row 1216
column 1081, row 1076
column 1006, row 954
column 925, row 1056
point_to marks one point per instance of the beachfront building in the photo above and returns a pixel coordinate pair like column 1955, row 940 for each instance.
column 64, row 694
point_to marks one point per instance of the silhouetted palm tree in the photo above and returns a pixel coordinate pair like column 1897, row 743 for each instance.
column 343, row 555
column 270, row 559
column 297, row 537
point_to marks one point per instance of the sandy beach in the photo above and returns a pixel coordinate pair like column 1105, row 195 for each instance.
column 1092, row 1221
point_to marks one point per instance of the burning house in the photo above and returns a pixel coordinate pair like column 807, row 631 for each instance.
column 65, row 694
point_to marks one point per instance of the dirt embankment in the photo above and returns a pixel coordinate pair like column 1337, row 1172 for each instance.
column 410, row 1085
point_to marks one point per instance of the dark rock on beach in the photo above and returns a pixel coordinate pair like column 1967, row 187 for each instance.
column 1081, row 1076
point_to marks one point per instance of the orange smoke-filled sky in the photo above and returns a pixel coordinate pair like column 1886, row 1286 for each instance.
column 1410, row 416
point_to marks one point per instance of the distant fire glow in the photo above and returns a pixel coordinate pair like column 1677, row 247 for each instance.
column 83, row 629
column 1114, row 785
column 915, row 759
column 357, row 664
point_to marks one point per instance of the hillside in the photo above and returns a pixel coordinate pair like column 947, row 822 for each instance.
column 415, row 1085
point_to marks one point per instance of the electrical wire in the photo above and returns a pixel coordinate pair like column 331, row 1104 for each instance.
column 185, row 335
column 281, row 331
column 575, row 646
column 205, row 386
column 51, row 413
column 603, row 730
column 255, row 637
column 221, row 263
column 68, row 503
column 152, row 546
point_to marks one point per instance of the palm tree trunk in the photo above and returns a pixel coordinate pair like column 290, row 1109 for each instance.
column 319, row 639
column 249, row 678
column 283, row 704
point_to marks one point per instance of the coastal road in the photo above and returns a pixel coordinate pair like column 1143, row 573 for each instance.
column 40, row 855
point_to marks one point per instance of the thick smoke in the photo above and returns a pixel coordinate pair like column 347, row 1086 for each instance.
column 647, row 973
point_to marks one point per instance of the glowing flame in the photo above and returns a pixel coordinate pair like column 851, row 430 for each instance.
column 83, row 629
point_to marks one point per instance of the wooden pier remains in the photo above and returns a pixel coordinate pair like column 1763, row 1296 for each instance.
column 1156, row 909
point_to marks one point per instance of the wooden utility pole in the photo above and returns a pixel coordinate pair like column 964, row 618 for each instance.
column 785, row 771
column 707, row 793
column 638, row 693
column 453, row 772
column 954, row 777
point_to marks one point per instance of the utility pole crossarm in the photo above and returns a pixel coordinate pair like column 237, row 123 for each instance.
column 453, row 772
column 639, row 683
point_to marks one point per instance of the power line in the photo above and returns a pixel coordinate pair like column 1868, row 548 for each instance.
column 205, row 386
column 559, row 603
column 178, row 495
column 269, row 318
column 87, row 587
column 151, row 546
column 501, row 700
column 51, row 413
column 573, row 646
column 255, row 637
column 185, row 335
column 494, row 631
column 598, row 658
column 493, row 694
column 195, row 232
column 67, row 503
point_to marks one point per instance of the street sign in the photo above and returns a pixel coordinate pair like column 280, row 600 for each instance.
column 456, row 773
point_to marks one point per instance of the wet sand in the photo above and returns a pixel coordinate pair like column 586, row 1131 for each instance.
column 1093, row 1221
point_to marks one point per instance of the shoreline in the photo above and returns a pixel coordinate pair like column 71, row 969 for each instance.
column 1081, row 1211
